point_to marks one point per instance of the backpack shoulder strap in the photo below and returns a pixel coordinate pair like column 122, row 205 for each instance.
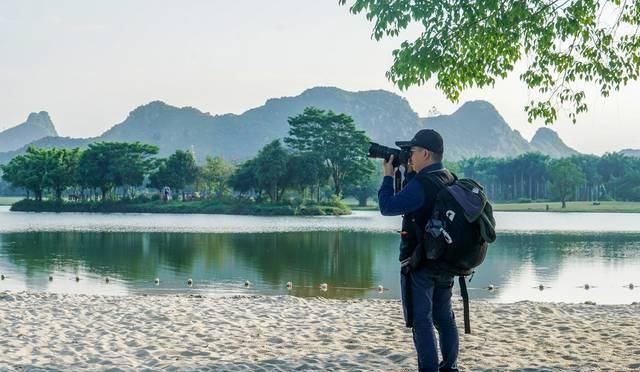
column 431, row 177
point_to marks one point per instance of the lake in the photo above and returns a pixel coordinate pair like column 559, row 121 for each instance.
column 353, row 255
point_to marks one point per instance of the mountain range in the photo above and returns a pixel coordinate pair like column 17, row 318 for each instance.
column 475, row 129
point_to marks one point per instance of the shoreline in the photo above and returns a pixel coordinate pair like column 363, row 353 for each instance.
column 180, row 207
column 88, row 332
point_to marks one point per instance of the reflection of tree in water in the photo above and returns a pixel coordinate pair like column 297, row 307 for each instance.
column 99, row 252
column 342, row 259
column 130, row 255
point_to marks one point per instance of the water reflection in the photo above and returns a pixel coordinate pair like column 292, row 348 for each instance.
column 353, row 264
column 215, row 261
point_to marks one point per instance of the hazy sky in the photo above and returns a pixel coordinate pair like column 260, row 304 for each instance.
column 90, row 63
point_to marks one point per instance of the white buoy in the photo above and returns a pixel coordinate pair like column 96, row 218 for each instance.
column 289, row 285
column 156, row 281
column 323, row 287
column 247, row 283
column 380, row 288
column 189, row 282
column 491, row 287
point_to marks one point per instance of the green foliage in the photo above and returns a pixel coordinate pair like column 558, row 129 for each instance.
column 214, row 175
column 178, row 171
column 564, row 177
column 307, row 170
column 39, row 169
column 222, row 206
column 335, row 139
column 610, row 177
column 363, row 188
column 271, row 170
column 476, row 42
column 244, row 180
column 106, row 165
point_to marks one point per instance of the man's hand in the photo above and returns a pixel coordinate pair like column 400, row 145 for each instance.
column 388, row 167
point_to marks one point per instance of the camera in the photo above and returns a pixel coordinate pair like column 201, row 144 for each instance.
column 400, row 156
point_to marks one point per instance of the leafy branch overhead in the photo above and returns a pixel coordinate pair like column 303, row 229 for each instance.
column 473, row 43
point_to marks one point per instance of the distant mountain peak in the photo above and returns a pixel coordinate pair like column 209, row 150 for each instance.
column 152, row 109
column 479, row 106
column 38, row 125
column 152, row 106
column 547, row 141
column 42, row 120
column 322, row 89
column 545, row 133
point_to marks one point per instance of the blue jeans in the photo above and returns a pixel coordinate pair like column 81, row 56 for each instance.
column 426, row 300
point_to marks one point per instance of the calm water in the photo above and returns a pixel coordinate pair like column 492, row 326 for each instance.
column 352, row 254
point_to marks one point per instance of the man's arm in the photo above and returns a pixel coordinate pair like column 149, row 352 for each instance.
column 409, row 199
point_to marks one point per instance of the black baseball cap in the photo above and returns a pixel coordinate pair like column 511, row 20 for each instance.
column 425, row 138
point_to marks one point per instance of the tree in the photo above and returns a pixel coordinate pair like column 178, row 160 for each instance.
column 474, row 42
column 15, row 173
column 307, row 171
column 363, row 188
column 564, row 177
column 611, row 167
column 39, row 169
column 177, row 172
column 588, row 164
column 271, row 170
column 106, row 165
column 335, row 139
column 135, row 161
column 214, row 175
column 244, row 179
column 65, row 169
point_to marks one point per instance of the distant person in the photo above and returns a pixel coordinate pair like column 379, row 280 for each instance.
column 426, row 291
column 166, row 193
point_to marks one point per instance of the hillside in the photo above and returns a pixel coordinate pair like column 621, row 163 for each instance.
column 37, row 126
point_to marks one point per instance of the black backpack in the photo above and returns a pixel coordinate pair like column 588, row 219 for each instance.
column 460, row 227
column 457, row 234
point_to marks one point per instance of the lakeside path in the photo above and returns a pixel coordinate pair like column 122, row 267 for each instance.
column 80, row 332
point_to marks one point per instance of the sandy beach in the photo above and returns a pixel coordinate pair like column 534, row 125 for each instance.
column 41, row 331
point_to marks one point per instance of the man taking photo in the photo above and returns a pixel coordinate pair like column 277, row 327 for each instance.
column 426, row 290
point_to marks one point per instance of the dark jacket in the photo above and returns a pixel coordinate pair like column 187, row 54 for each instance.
column 432, row 182
column 415, row 202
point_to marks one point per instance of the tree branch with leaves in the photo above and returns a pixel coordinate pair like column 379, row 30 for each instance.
column 473, row 43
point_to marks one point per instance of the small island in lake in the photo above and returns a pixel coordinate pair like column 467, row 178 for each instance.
column 228, row 206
